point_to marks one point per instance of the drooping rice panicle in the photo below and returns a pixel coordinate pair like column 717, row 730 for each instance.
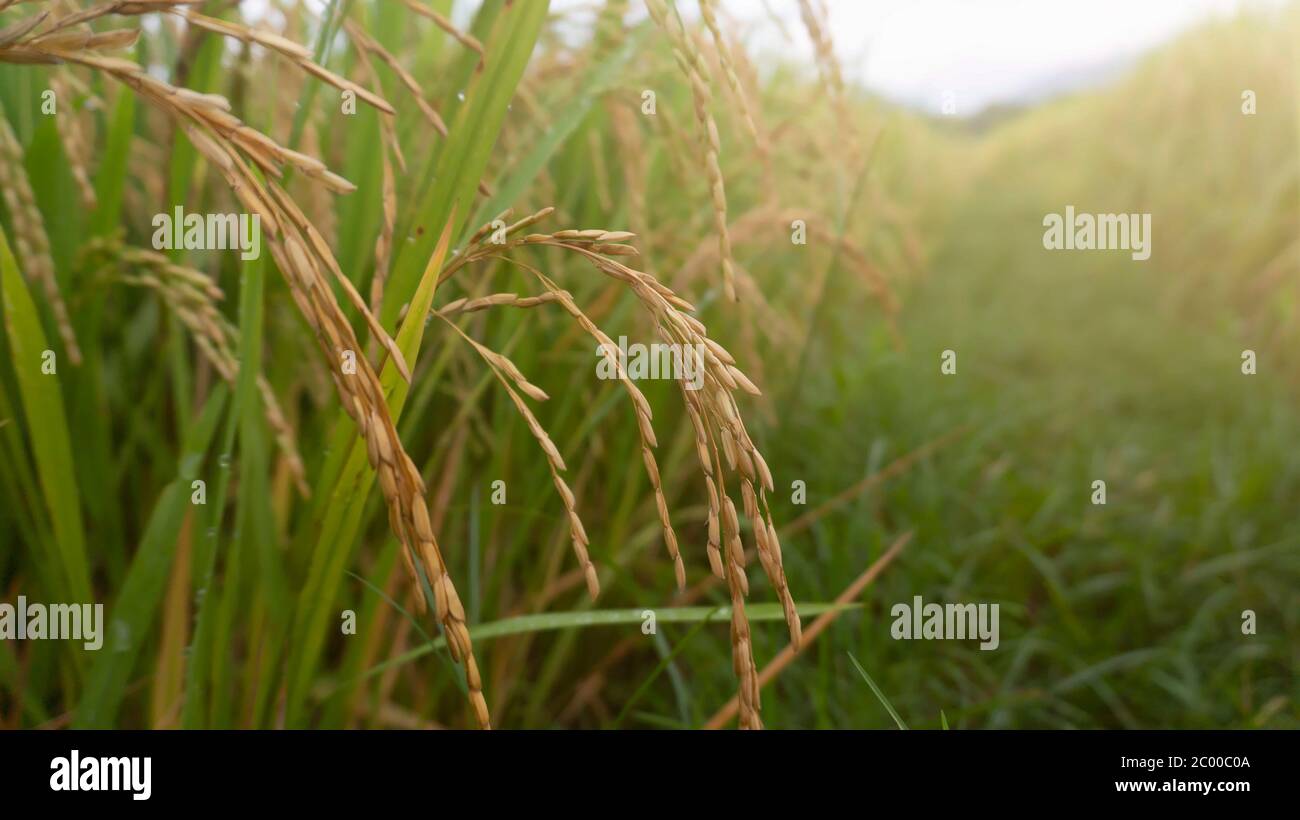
column 30, row 239
column 303, row 258
column 714, row 414
column 692, row 65
column 192, row 296
column 709, row 13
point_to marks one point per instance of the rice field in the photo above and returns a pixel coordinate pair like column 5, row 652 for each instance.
column 425, row 364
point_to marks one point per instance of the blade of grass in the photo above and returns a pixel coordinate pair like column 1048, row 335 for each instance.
column 110, row 183
column 47, row 426
column 658, row 670
column 590, row 87
column 889, row 707
column 553, row 621
column 195, row 708
column 133, row 612
column 464, row 157
column 255, row 520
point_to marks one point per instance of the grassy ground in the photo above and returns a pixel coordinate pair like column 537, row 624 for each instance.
column 1069, row 371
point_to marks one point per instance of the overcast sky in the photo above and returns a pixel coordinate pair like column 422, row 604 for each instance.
column 980, row 51
column 987, row 51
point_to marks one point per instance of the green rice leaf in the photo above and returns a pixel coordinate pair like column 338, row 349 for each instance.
column 132, row 614
column 889, row 707
column 474, row 131
column 47, row 427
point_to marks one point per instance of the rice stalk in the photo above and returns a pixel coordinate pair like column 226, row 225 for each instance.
column 664, row 13
column 722, row 443
column 371, row 47
column 303, row 258
column 467, row 40
column 727, row 61
column 31, row 243
column 513, row 381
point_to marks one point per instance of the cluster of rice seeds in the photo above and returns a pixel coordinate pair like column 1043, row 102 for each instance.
column 748, row 78
column 717, row 421
column 301, row 253
column 644, row 418
column 467, row 305
column 193, row 296
column 599, row 243
column 823, row 49
column 506, row 371
column 202, row 114
column 121, row 7
column 76, row 148
column 478, row 247
column 366, row 48
column 725, row 547
column 363, row 398
column 14, row 32
column 718, row 425
column 30, row 240
column 295, row 53
column 514, row 382
column 692, row 65
column 714, row 415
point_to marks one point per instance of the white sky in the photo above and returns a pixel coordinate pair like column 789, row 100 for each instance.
column 986, row 51
column 979, row 51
